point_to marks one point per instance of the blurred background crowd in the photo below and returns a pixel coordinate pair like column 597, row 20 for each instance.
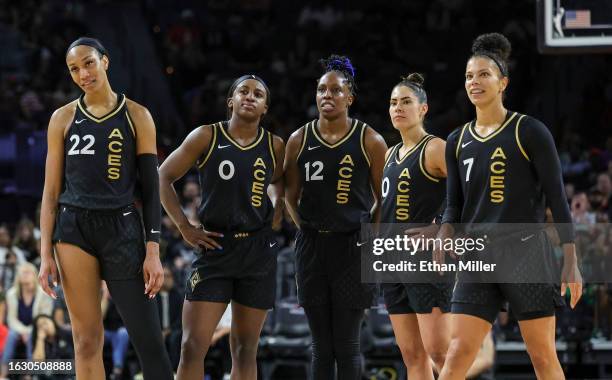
column 179, row 57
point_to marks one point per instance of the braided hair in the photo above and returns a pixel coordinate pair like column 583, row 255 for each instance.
column 343, row 65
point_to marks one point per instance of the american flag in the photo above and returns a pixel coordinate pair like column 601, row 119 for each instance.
column 577, row 19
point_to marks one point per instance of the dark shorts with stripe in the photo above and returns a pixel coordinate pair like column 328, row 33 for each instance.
column 417, row 298
column 114, row 237
column 328, row 270
column 243, row 271
column 526, row 258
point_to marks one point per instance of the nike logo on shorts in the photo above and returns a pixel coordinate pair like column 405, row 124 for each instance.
column 272, row 244
column 527, row 237
column 127, row 213
column 154, row 232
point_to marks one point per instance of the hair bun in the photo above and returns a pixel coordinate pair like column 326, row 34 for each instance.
column 494, row 43
column 415, row 78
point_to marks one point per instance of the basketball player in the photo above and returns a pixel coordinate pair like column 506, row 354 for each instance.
column 237, row 161
column 97, row 145
column 503, row 168
column 414, row 191
column 333, row 174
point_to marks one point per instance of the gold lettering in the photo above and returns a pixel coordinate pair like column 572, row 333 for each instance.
column 497, row 196
column 342, row 198
column 403, row 186
column 499, row 153
column 259, row 174
column 402, row 200
column 116, row 133
column 113, row 173
column 347, row 160
column 405, row 174
column 494, row 165
column 401, row 214
column 114, row 160
column 345, row 168
column 257, row 188
column 260, row 162
column 497, row 182
column 344, row 185
column 256, row 200
column 112, row 148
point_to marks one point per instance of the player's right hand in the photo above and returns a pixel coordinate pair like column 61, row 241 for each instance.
column 48, row 267
column 200, row 238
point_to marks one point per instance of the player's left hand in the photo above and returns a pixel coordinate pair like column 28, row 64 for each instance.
column 572, row 279
column 152, row 270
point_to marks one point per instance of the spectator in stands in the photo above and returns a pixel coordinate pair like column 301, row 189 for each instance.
column 49, row 343
column 599, row 205
column 191, row 191
column 8, row 271
column 581, row 209
column 191, row 199
column 24, row 238
column 25, row 300
column 177, row 253
column 604, row 186
column 6, row 247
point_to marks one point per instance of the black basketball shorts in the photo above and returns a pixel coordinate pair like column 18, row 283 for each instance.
column 243, row 271
column 115, row 237
column 328, row 270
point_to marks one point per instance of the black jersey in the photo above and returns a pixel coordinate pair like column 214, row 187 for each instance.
column 336, row 192
column 498, row 182
column 409, row 193
column 100, row 159
column 234, row 180
column 509, row 176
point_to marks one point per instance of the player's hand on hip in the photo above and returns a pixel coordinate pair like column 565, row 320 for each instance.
column 152, row 270
column 48, row 271
column 572, row 279
column 199, row 237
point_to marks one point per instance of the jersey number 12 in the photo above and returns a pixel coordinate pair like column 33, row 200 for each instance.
column 316, row 175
